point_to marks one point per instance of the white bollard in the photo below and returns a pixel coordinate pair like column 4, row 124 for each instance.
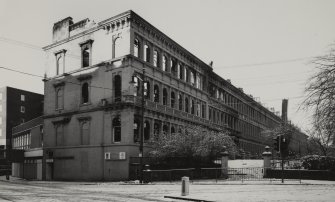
column 185, row 182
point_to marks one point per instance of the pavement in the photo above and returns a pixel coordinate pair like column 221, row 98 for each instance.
column 205, row 190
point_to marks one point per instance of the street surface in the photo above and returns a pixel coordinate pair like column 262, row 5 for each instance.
column 21, row 190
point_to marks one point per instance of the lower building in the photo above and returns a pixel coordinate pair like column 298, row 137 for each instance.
column 29, row 138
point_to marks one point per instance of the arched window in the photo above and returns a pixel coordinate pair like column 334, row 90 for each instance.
column 165, row 129
column 59, row 98
column 147, row 90
column 84, row 93
column 136, row 130
column 117, row 88
column 117, row 129
column 156, row 93
column 164, row 63
column 146, row 130
column 192, row 107
column 173, row 98
column 137, row 48
column 186, row 104
column 180, row 100
column 173, row 130
column 59, row 65
column 165, row 94
column 156, row 58
column 85, row 57
column 146, row 53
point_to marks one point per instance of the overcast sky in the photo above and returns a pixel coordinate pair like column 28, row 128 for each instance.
column 262, row 46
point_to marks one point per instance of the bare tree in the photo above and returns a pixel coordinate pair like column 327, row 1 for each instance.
column 320, row 92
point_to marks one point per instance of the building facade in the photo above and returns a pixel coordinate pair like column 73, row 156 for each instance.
column 92, row 105
column 16, row 107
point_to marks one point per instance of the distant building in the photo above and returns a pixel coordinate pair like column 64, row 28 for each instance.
column 92, row 106
column 16, row 107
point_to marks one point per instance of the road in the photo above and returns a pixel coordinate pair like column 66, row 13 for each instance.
column 19, row 190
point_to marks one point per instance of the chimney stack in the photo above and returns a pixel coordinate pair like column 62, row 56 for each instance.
column 284, row 110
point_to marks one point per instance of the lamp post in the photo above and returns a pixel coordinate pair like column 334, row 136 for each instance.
column 142, row 121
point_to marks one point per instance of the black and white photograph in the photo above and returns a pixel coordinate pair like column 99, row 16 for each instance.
column 179, row 100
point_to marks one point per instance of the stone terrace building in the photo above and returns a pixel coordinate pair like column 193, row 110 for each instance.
column 92, row 110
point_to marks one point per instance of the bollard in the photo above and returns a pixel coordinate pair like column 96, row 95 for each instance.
column 185, row 186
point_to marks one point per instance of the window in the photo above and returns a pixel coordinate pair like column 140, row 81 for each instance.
column 22, row 109
column 157, row 129
column 147, row 90
column 165, row 94
column 86, row 57
column 146, row 130
column 84, row 93
column 0, row 107
column 180, row 70
column 156, row 93
column 164, row 63
column 85, row 132
column 0, row 132
column 186, row 104
column 173, row 98
column 198, row 109
column 137, row 47
column 180, row 100
column 117, row 129
column 59, row 98
column 0, row 121
column 59, row 134
column 0, row 96
column 187, row 74
column 156, row 58
column 173, row 67
column 198, row 81
column 192, row 77
column 86, row 53
column 192, row 107
column 117, row 88
column 60, row 61
column 136, row 130
column 23, row 98
column 117, row 47
column 146, row 53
